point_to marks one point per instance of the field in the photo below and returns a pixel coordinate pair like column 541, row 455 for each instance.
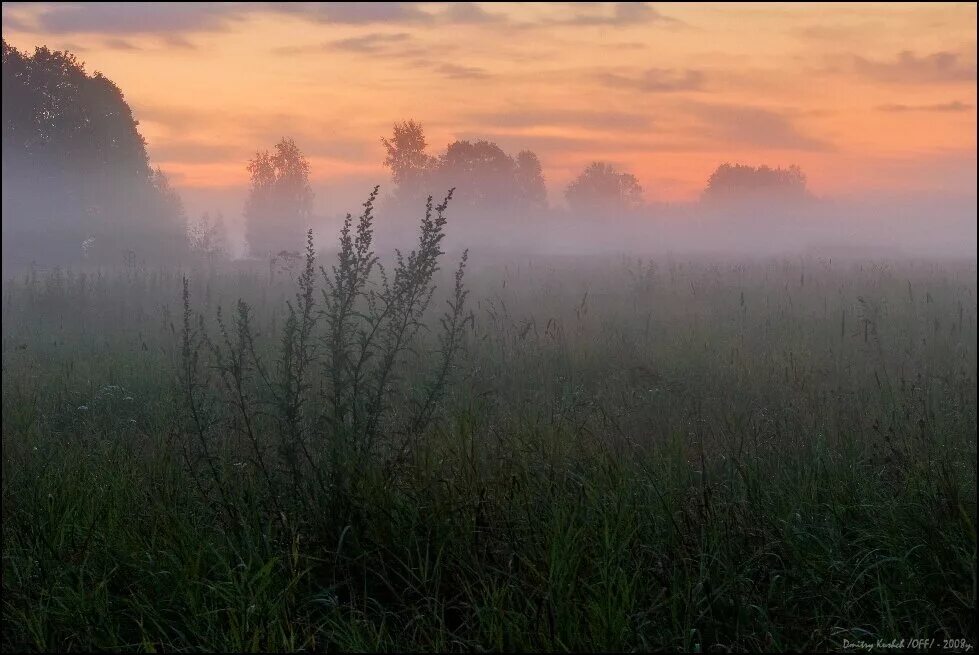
column 613, row 454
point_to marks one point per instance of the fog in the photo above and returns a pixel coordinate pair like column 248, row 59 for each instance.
column 79, row 189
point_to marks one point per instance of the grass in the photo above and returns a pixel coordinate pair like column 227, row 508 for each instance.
column 624, row 455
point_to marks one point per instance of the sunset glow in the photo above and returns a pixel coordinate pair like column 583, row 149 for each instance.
column 865, row 98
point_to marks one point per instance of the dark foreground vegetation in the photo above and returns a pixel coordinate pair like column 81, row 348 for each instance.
column 589, row 454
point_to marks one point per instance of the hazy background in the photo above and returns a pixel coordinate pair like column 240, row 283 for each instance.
column 876, row 104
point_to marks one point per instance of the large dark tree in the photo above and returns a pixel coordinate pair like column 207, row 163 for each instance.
column 601, row 188
column 75, row 168
column 280, row 201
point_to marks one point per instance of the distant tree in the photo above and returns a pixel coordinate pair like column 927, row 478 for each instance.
column 207, row 238
column 75, row 167
column 279, row 204
column 410, row 166
column 483, row 175
column 601, row 188
column 738, row 183
column 530, row 186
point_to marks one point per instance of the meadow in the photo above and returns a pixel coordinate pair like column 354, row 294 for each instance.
column 557, row 453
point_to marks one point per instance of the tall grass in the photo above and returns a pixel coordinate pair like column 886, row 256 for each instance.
column 587, row 454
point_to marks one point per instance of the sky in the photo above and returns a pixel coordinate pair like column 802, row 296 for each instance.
column 867, row 99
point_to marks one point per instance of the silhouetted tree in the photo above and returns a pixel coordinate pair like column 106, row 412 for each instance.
column 529, row 177
column 484, row 176
column 75, row 167
column 600, row 188
column 410, row 166
column 480, row 172
column 280, row 201
column 740, row 183
column 207, row 237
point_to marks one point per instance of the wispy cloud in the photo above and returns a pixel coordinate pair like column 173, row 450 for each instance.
column 953, row 106
column 468, row 13
column 177, row 41
column 134, row 18
column 460, row 72
column 587, row 119
column 656, row 80
column 399, row 45
column 371, row 43
column 120, row 44
column 729, row 125
column 909, row 68
column 622, row 14
column 354, row 13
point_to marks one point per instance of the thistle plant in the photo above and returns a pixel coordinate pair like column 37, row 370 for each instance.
column 312, row 406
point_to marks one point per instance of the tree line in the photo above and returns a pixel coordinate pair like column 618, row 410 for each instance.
column 486, row 179
column 77, row 182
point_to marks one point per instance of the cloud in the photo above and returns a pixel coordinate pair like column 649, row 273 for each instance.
column 187, row 150
column 120, row 44
column 953, row 106
column 400, row 46
column 74, row 48
column 12, row 23
column 657, row 80
column 588, row 119
column 176, row 41
column 355, row 13
column 836, row 32
column 182, row 18
column 762, row 128
column 623, row 14
column 459, row 72
column 370, row 43
column 254, row 131
column 462, row 13
column 136, row 18
column 909, row 68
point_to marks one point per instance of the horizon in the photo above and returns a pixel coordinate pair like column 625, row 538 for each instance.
column 873, row 102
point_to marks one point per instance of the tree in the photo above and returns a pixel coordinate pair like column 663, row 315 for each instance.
column 207, row 237
column 484, row 176
column 410, row 165
column 741, row 183
column 529, row 176
column 280, row 201
column 600, row 188
column 75, row 168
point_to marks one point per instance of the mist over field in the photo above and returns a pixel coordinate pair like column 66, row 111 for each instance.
column 594, row 327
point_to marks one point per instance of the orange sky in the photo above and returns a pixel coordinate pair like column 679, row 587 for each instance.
column 866, row 98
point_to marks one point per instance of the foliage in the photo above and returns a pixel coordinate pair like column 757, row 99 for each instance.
column 280, row 200
column 679, row 454
column 485, row 177
column 745, row 183
column 75, row 167
column 410, row 165
column 314, row 415
column 601, row 188
column 207, row 238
